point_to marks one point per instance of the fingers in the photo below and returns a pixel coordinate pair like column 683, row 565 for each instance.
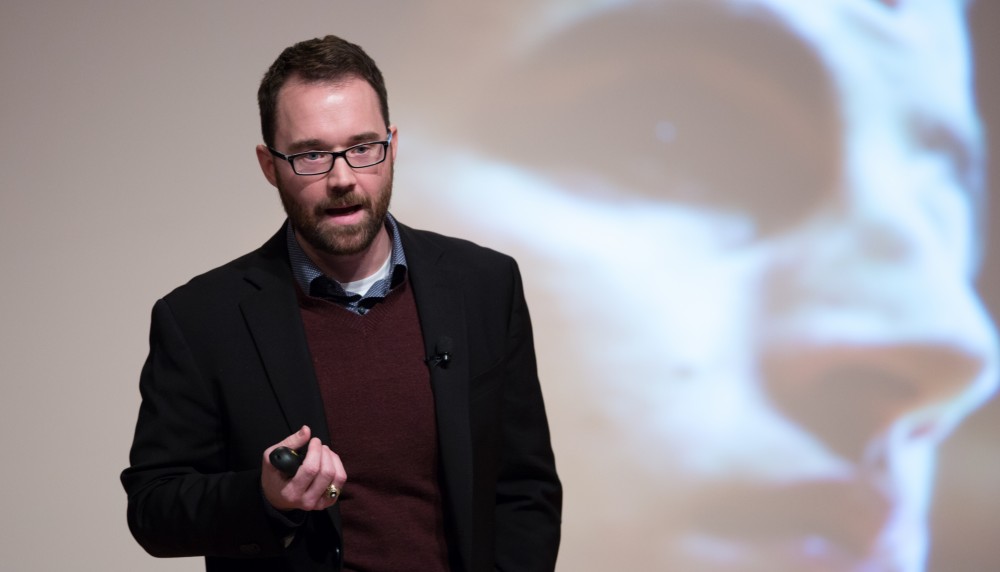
column 295, row 441
column 309, row 488
column 321, row 468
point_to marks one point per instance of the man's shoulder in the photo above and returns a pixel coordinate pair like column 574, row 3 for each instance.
column 426, row 243
column 249, row 271
column 439, row 259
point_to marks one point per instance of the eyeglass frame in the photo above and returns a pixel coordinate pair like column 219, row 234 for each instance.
column 335, row 155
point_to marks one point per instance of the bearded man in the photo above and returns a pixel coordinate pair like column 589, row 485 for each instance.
column 396, row 365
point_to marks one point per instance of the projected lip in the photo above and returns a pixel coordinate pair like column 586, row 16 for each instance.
column 813, row 526
column 800, row 554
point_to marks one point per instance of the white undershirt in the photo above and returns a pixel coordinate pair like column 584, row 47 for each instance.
column 362, row 286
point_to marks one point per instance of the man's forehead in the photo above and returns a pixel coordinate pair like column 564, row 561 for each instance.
column 905, row 55
column 914, row 26
column 911, row 53
column 316, row 95
column 299, row 84
column 906, row 43
column 348, row 102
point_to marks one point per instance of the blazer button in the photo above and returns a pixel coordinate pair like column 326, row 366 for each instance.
column 250, row 549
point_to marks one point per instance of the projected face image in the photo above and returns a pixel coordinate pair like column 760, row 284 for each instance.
column 752, row 233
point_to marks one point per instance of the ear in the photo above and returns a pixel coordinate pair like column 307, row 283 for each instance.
column 392, row 144
column 267, row 166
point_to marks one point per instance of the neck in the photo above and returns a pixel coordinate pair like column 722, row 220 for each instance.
column 351, row 267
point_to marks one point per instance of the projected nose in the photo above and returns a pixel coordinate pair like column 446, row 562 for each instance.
column 849, row 395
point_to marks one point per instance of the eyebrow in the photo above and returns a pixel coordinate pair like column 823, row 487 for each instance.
column 319, row 144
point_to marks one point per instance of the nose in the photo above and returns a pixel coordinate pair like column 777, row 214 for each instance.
column 341, row 177
column 867, row 334
column 851, row 395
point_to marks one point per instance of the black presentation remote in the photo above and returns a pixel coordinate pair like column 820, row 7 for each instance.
column 286, row 460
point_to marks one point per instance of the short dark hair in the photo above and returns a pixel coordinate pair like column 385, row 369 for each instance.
column 320, row 60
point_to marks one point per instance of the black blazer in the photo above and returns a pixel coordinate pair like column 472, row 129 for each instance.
column 229, row 374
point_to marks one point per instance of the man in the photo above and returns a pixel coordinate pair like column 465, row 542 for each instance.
column 399, row 362
column 769, row 213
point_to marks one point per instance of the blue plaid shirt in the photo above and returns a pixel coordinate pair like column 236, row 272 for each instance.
column 311, row 279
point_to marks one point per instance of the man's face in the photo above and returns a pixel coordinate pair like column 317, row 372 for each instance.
column 751, row 241
column 341, row 212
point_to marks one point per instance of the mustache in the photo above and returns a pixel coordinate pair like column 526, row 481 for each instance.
column 349, row 200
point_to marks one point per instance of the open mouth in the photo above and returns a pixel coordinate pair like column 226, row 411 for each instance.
column 822, row 525
column 338, row 212
column 792, row 554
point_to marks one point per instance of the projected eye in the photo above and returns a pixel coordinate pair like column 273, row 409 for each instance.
column 700, row 106
column 739, row 135
column 935, row 135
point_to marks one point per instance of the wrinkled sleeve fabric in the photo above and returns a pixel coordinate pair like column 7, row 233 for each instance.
column 529, row 493
column 183, row 498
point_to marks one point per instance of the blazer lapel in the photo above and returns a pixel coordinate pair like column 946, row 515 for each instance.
column 441, row 310
column 272, row 316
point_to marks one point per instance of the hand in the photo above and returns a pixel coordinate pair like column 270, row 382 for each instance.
column 308, row 489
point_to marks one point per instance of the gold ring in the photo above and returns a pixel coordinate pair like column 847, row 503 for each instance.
column 331, row 491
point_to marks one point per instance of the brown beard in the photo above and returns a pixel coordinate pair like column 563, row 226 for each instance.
column 340, row 240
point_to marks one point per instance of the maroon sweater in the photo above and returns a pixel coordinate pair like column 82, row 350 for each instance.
column 380, row 411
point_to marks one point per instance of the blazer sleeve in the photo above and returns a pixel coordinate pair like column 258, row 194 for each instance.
column 529, row 494
column 182, row 498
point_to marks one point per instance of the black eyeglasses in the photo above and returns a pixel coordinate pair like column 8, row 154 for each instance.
column 321, row 162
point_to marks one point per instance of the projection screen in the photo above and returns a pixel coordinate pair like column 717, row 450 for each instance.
column 756, row 237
